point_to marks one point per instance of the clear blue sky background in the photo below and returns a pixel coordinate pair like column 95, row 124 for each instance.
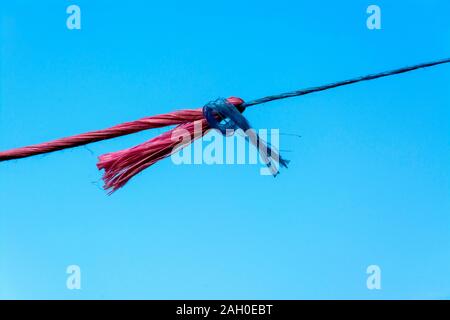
column 368, row 181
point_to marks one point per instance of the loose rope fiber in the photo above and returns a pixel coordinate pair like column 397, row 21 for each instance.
column 122, row 165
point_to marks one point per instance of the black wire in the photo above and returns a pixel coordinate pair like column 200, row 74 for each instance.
column 343, row 83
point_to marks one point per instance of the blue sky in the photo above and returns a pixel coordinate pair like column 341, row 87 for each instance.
column 368, row 181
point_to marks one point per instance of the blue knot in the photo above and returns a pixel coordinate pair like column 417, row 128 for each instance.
column 223, row 115
column 226, row 117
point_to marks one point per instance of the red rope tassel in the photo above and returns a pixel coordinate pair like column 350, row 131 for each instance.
column 122, row 165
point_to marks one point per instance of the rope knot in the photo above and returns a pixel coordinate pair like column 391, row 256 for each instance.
column 226, row 116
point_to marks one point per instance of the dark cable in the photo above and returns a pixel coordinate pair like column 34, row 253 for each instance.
column 303, row 92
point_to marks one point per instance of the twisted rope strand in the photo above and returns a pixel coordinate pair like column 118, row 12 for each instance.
column 158, row 121
column 303, row 92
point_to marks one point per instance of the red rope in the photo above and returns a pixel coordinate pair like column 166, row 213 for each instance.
column 158, row 121
column 122, row 165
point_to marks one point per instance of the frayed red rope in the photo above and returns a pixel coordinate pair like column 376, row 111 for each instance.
column 122, row 165
column 119, row 167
